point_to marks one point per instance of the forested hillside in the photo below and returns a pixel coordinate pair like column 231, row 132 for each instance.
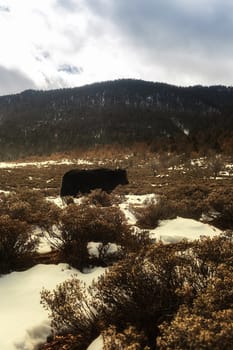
column 166, row 117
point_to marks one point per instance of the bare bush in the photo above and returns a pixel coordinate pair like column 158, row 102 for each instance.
column 149, row 216
column 65, row 341
column 140, row 291
column 221, row 201
column 215, row 163
column 99, row 198
column 31, row 207
column 128, row 339
column 16, row 243
column 80, row 224
column 72, row 310
column 208, row 324
column 135, row 292
column 191, row 331
column 188, row 201
column 216, row 250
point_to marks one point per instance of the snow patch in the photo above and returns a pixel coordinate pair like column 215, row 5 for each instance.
column 4, row 165
column 135, row 200
column 175, row 230
column 23, row 321
column 97, row 344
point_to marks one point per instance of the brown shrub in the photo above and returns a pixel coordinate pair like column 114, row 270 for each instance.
column 80, row 224
column 99, row 198
column 208, row 324
column 172, row 289
column 72, row 310
column 192, row 201
column 140, row 291
column 221, row 201
column 31, row 207
column 128, row 339
column 149, row 216
column 189, row 191
column 215, row 163
column 16, row 243
column 216, row 250
column 66, row 341
column 169, row 207
column 192, row 331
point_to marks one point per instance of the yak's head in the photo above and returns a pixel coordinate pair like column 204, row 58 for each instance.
column 122, row 176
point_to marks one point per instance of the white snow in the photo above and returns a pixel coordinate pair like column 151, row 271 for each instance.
column 93, row 248
column 175, row 230
column 97, row 344
column 135, row 200
column 57, row 200
column 61, row 203
column 23, row 321
column 4, row 165
column 5, row 192
column 180, row 126
column 44, row 245
column 140, row 199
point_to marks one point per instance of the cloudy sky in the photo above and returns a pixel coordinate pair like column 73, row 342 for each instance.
column 50, row 44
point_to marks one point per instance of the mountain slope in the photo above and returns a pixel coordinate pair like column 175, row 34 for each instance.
column 122, row 111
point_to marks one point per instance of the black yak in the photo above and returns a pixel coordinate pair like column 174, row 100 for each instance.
column 78, row 181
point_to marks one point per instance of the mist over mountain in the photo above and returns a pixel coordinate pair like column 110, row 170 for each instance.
column 126, row 111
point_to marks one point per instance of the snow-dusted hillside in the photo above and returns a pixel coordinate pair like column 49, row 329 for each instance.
column 123, row 111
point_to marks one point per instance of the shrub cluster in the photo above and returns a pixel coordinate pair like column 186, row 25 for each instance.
column 208, row 324
column 128, row 339
column 30, row 206
column 148, row 217
column 189, row 201
column 161, row 298
column 19, row 213
column 100, row 198
column 221, row 201
column 16, row 243
column 72, row 309
column 81, row 224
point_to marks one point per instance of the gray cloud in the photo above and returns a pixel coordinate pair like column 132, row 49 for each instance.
column 4, row 8
column 13, row 81
column 69, row 5
column 42, row 55
column 174, row 41
column 150, row 22
column 70, row 69
column 192, row 38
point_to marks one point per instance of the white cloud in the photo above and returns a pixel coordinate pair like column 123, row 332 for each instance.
column 167, row 40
